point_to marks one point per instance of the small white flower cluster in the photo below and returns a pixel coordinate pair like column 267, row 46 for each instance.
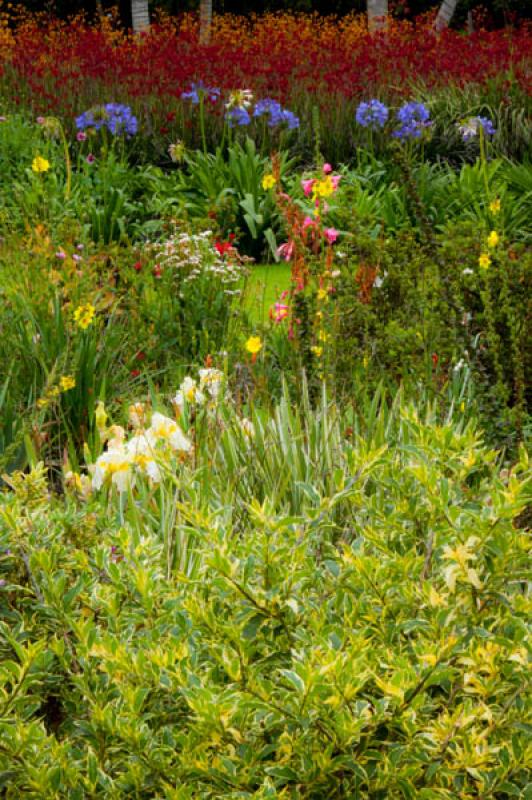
column 194, row 256
column 142, row 454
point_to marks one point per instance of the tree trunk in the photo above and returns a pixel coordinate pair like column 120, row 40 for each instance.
column 377, row 15
column 445, row 14
column 205, row 21
column 140, row 15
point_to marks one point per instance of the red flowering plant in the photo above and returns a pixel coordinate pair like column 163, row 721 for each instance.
column 309, row 249
column 272, row 56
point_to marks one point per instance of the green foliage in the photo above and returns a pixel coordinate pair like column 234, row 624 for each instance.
column 227, row 187
column 352, row 621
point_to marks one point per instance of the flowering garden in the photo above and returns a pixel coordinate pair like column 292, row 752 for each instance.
column 264, row 410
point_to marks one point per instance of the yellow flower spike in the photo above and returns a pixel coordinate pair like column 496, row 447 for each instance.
column 40, row 164
column 484, row 261
column 100, row 416
column 67, row 382
column 268, row 182
column 254, row 345
column 493, row 239
column 495, row 206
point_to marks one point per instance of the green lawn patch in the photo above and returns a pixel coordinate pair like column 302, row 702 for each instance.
column 264, row 287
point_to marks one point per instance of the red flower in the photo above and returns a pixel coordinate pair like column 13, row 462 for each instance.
column 223, row 247
column 157, row 271
column 135, row 373
column 137, row 266
column 435, row 359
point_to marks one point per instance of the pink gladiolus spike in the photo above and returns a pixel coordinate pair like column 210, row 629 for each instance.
column 286, row 251
column 336, row 180
column 279, row 312
column 307, row 222
column 331, row 234
column 327, row 169
column 307, row 186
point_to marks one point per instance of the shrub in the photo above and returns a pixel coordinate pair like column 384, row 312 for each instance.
column 360, row 631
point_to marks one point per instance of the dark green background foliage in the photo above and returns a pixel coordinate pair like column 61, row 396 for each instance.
column 498, row 11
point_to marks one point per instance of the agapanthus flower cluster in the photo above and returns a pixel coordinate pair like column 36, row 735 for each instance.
column 471, row 127
column 199, row 90
column 414, row 118
column 372, row 114
column 277, row 115
column 117, row 118
column 238, row 117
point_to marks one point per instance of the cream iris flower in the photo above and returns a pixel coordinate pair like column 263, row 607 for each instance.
column 168, row 430
column 189, row 394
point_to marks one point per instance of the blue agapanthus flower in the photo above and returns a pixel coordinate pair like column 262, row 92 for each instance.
column 470, row 127
column 276, row 113
column 198, row 90
column 373, row 114
column 116, row 117
column 238, row 116
column 414, row 118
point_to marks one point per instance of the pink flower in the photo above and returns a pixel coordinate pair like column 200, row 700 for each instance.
column 308, row 222
column 331, row 234
column 75, row 257
column 327, row 169
column 81, row 136
column 307, row 186
column 286, row 251
column 40, row 120
column 60, row 254
column 336, row 180
column 90, row 159
column 279, row 312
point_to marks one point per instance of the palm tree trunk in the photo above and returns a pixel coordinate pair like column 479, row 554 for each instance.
column 140, row 15
column 205, row 21
column 445, row 14
column 377, row 15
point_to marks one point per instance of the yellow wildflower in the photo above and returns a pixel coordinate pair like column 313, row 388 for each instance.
column 323, row 336
column 484, row 261
column 268, row 182
column 323, row 188
column 317, row 351
column 495, row 206
column 322, row 294
column 254, row 345
column 493, row 239
column 67, row 382
column 83, row 315
column 40, row 164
